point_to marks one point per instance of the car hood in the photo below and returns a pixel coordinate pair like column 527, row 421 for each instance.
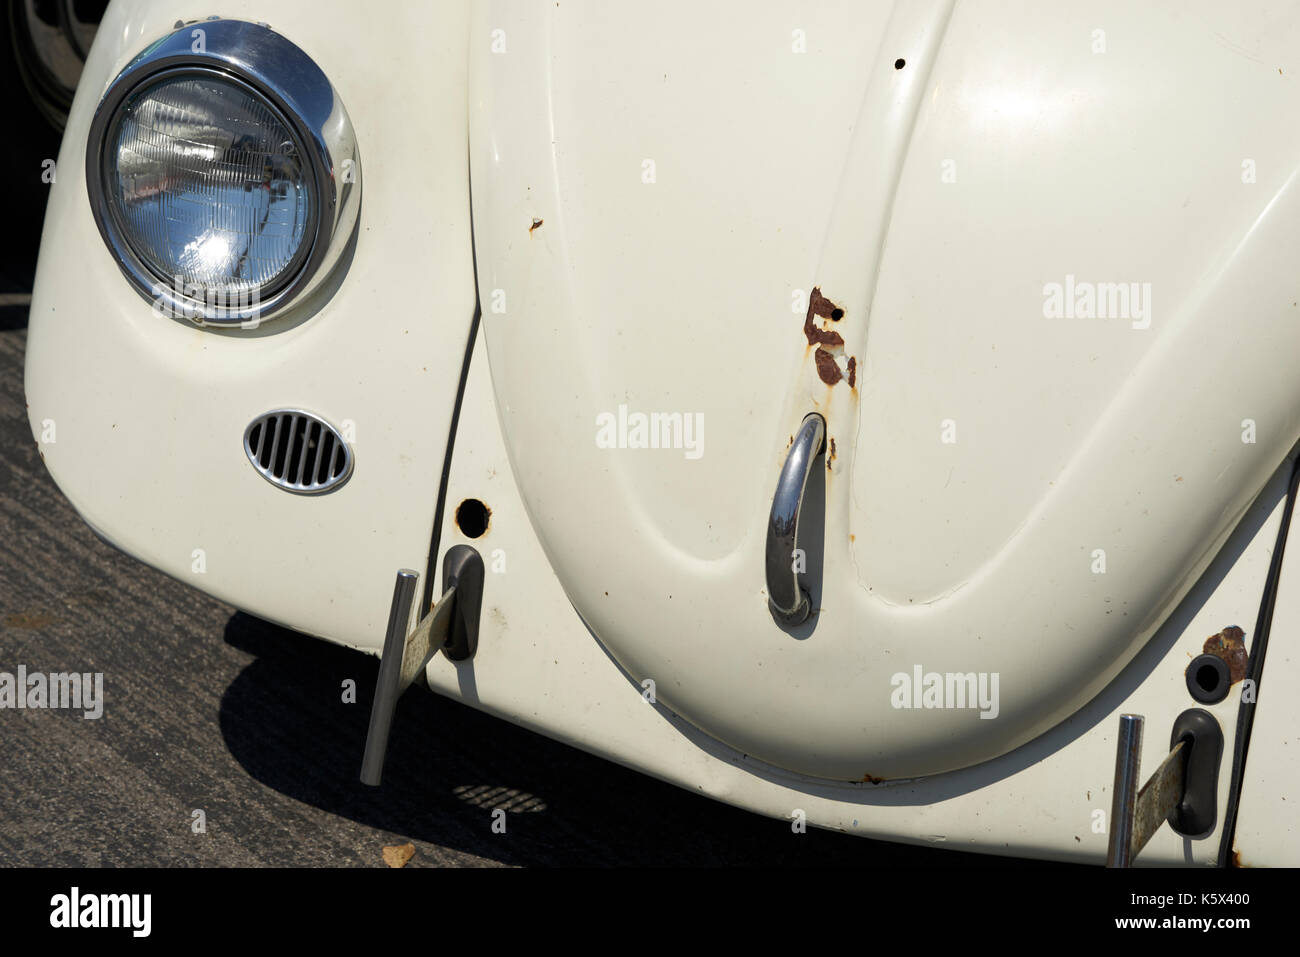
column 1036, row 276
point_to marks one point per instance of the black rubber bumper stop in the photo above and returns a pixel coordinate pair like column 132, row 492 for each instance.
column 1195, row 815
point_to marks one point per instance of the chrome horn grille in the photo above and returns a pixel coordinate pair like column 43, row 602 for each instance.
column 298, row 451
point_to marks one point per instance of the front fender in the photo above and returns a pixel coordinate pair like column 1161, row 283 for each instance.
column 141, row 418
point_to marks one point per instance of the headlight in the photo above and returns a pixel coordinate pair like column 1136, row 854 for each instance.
column 223, row 172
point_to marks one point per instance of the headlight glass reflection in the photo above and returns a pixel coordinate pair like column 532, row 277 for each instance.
column 209, row 187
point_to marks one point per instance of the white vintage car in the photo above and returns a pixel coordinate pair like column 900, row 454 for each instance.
column 862, row 413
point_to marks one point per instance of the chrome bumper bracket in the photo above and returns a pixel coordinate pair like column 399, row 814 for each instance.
column 451, row 627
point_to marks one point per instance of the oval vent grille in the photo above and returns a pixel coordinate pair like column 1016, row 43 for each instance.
column 298, row 451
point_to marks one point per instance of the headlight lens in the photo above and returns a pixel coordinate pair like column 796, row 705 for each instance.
column 223, row 173
column 208, row 186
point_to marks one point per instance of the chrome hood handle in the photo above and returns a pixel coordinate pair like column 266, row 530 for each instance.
column 789, row 602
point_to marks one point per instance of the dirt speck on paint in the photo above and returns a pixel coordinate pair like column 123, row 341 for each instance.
column 1230, row 645
column 819, row 305
column 827, row 368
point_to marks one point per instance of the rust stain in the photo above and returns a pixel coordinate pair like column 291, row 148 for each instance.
column 29, row 621
column 536, row 224
column 1236, row 859
column 1229, row 645
column 819, row 305
column 827, row 368
column 869, row 779
column 830, row 456
column 853, row 371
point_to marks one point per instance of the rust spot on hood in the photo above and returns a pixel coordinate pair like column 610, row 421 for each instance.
column 827, row 368
column 853, row 371
column 819, row 305
column 536, row 224
column 1230, row 645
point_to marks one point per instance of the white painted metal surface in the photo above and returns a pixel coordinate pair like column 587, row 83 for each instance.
column 538, row 666
column 149, row 413
column 656, row 192
column 990, row 451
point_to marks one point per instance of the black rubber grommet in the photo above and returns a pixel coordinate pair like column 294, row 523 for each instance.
column 1208, row 679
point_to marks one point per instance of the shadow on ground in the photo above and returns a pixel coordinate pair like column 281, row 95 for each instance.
column 448, row 766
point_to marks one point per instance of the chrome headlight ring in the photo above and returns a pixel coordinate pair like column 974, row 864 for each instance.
column 251, row 59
